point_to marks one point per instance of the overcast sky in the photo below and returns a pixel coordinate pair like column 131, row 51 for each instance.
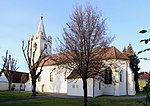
column 20, row 18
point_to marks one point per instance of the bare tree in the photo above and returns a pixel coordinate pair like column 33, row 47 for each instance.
column 9, row 66
column 84, row 42
column 29, row 52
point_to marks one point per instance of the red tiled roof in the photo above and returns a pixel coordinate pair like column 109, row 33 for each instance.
column 75, row 75
column 19, row 77
column 110, row 53
column 114, row 53
column 144, row 76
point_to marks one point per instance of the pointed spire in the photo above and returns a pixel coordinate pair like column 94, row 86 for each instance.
column 41, row 30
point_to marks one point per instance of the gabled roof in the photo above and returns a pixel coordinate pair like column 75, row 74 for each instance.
column 19, row 77
column 110, row 53
column 114, row 53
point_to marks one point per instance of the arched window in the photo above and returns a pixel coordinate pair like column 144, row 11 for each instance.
column 99, row 85
column 45, row 46
column 65, row 76
column 120, row 75
column 108, row 76
column 39, row 78
column 35, row 45
column 51, row 77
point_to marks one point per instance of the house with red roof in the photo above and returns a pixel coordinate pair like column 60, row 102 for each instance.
column 18, row 80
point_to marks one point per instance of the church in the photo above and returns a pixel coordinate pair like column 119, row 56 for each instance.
column 118, row 80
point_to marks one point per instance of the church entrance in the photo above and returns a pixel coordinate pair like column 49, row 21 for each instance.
column 43, row 88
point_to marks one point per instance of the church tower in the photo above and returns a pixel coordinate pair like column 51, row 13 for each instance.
column 40, row 41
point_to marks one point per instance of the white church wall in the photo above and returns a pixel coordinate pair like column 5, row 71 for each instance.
column 57, row 84
column 3, row 78
column 28, row 85
column 125, row 85
column 131, row 83
column 75, row 87
column 122, row 71
column 3, row 82
column 118, row 87
column 3, row 85
column 98, row 87
column 108, row 89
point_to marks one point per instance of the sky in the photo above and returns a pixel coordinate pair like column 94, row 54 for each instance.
column 20, row 18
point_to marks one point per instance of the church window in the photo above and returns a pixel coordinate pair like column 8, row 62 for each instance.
column 39, row 78
column 35, row 45
column 51, row 77
column 120, row 74
column 46, row 50
column 99, row 86
column 108, row 76
column 43, row 38
column 65, row 76
column 45, row 46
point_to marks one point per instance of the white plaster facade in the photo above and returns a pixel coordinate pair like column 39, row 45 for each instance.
column 41, row 41
column 18, row 86
column 96, row 87
column 3, row 82
column 53, row 78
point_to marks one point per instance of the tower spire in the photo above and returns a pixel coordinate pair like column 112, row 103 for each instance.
column 41, row 30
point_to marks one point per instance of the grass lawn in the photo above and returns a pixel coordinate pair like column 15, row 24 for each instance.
column 14, row 94
column 70, row 102
column 61, row 101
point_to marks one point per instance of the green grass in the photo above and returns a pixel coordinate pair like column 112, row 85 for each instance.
column 70, row 102
column 141, row 93
column 45, row 102
column 61, row 101
column 14, row 94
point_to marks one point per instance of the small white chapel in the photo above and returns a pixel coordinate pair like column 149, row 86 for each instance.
column 55, row 78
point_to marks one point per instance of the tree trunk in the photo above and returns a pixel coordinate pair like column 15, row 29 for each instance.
column 136, row 81
column 9, row 82
column 33, row 85
column 136, row 86
column 85, row 91
column 9, row 85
